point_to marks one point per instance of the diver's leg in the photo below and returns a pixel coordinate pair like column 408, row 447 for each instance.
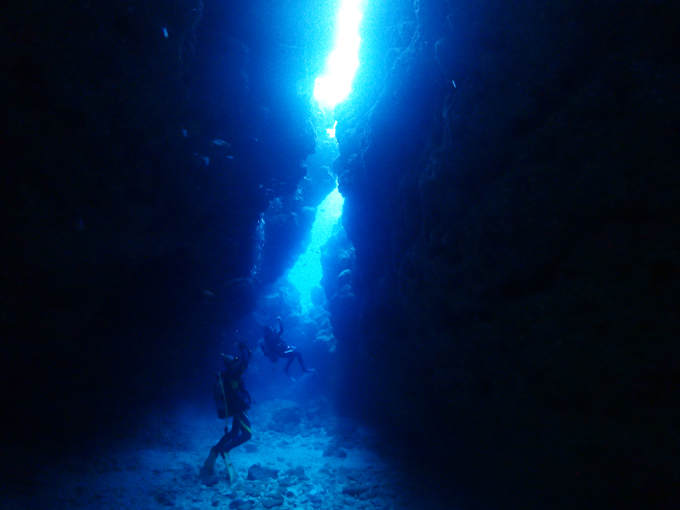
column 227, row 437
column 207, row 471
column 241, row 425
column 208, row 468
column 298, row 355
column 290, row 356
column 245, row 432
column 302, row 363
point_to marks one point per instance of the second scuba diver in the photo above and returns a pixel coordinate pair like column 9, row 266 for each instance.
column 274, row 348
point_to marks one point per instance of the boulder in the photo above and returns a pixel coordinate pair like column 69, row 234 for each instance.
column 258, row 472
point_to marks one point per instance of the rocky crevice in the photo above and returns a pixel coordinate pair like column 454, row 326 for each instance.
column 141, row 142
column 515, row 258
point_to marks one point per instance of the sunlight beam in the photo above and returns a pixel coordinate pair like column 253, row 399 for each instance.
column 335, row 84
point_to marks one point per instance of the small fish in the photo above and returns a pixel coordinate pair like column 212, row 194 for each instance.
column 165, row 32
column 185, row 133
column 206, row 160
column 221, row 143
column 207, row 293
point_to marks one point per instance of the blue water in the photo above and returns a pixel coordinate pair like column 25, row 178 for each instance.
column 307, row 270
column 335, row 84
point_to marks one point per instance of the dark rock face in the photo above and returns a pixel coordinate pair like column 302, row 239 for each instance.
column 337, row 259
column 140, row 143
column 512, row 195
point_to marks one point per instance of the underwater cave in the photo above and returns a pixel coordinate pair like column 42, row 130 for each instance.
column 365, row 254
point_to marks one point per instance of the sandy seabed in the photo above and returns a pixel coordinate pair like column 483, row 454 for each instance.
column 318, row 465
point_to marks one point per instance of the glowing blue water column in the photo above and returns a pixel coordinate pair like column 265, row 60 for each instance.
column 306, row 273
column 335, row 83
column 330, row 88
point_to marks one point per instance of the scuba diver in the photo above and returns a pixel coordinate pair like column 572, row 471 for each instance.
column 233, row 400
column 274, row 348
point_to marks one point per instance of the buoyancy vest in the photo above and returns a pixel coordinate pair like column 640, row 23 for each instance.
column 230, row 395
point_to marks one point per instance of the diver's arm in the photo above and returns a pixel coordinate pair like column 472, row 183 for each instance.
column 280, row 327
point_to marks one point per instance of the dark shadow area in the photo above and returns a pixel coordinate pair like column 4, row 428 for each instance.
column 497, row 325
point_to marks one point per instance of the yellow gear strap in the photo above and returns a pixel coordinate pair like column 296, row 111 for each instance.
column 244, row 425
column 224, row 396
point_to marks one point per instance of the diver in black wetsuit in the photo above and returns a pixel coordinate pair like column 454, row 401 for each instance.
column 274, row 348
column 233, row 400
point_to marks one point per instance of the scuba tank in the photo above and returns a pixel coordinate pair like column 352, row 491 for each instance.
column 230, row 382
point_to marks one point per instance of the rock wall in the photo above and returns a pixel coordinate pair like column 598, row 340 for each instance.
column 140, row 142
column 511, row 194
column 506, row 310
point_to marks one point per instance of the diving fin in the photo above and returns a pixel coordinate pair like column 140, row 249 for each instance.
column 231, row 472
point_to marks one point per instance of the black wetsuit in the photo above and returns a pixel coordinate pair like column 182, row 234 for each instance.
column 237, row 402
column 274, row 348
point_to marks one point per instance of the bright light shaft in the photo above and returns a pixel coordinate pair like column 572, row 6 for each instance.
column 307, row 272
column 335, row 83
